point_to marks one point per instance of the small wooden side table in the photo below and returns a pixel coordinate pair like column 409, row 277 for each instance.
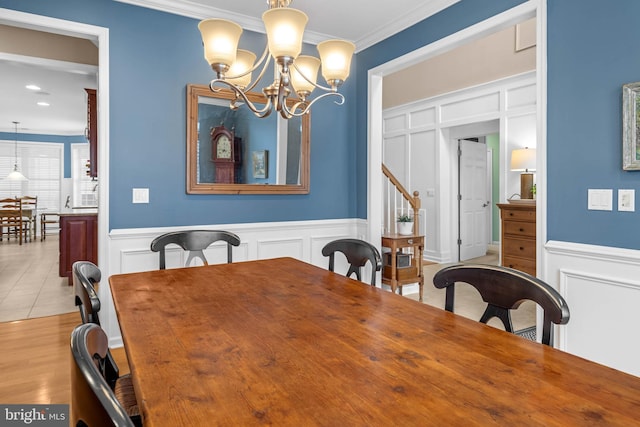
column 397, row 277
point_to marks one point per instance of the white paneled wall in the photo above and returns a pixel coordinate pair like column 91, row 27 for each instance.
column 130, row 251
column 419, row 141
column 602, row 288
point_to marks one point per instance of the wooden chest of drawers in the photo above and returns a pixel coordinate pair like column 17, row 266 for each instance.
column 518, row 236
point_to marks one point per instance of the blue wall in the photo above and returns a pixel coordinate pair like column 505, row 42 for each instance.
column 64, row 139
column 449, row 21
column 592, row 52
column 153, row 56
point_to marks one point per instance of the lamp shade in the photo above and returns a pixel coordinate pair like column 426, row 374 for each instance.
column 336, row 59
column 220, row 38
column 15, row 175
column 307, row 66
column 285, row 28
column 523, row 160
column 243, row 63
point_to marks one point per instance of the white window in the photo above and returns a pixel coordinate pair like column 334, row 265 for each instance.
column 41, row 163
column 85, row 188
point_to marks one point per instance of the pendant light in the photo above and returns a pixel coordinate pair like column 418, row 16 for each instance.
column 15, row 175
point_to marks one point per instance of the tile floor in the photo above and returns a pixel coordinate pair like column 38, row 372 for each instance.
column 29, row 282
column 30, row 286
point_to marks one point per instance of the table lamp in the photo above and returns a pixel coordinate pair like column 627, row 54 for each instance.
column 524, row 160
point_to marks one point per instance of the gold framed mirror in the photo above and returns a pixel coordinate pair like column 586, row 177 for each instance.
column 235, row 152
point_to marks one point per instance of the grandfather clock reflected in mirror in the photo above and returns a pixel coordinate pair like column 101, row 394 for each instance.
column 226, row 155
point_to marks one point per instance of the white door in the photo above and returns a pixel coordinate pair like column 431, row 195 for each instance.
column 474, row 201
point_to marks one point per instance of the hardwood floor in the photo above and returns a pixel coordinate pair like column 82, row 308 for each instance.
column 35, row 360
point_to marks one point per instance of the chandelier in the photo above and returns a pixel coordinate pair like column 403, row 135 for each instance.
column 293, row 73
column 15, row 175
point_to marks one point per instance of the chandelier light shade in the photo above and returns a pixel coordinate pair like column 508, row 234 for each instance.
column 303, row 81
column 285, row 28
column 336, row 59
column 15, row 175
column 220, row 38
column 242, row 67
column 295, row 74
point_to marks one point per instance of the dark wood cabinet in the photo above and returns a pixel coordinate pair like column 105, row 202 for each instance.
column 92, row 131
column 78, row 241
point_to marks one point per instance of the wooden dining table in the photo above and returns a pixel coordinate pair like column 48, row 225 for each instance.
column 281, row 342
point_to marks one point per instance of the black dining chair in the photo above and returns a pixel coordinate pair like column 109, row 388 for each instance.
column 86, row 275
column 357, row 252
column 504, row 289
column 93, row 401
column 194, row 241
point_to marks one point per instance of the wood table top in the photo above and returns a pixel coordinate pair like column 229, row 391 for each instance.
column 282, row 342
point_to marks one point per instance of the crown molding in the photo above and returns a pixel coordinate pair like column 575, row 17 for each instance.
column 199, row 11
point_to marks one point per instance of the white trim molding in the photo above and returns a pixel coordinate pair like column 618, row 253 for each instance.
column 602, row 289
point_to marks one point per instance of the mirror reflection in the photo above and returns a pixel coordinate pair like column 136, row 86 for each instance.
column 235, row 152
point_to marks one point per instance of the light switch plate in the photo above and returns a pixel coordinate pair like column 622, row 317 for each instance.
column 600, row 200
column 140, row 195
column 626, row 200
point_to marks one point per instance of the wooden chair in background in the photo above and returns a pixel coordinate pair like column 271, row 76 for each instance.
column 48, row 221
column 11, row 219
column 30, row 215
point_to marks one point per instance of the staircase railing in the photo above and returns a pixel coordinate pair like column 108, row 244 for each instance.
column 398, row 201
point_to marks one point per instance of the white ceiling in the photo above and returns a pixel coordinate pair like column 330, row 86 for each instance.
column 365, row 22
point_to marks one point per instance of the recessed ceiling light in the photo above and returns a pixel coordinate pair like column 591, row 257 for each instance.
column 32, row 87
column 43, row 104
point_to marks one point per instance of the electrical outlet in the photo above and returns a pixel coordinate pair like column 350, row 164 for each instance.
column 627, row 200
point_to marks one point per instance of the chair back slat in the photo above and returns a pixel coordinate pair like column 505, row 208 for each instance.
column 504, row 289
column 357, row 252
column 194, row 241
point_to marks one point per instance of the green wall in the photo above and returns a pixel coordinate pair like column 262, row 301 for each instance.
column 493, row 143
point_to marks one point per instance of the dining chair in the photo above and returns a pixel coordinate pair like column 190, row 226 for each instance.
column 46, row 221
column 194, row 241
column 504, row 289
column 11, row 219
column 85, row 277
column 357, row 252
column 93, row 401
column 29, row 214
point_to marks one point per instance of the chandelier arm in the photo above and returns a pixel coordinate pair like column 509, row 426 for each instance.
column 265, row 65
column 307, row 104
column 325, row 88
column 239, row 93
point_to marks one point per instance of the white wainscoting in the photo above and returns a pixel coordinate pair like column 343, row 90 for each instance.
column 602, row 288
column 129, row 251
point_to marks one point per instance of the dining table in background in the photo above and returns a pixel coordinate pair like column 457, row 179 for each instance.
column 282, row 342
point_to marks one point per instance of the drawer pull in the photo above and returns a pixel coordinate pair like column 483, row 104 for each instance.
column 522, row 230
column 521, row 248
